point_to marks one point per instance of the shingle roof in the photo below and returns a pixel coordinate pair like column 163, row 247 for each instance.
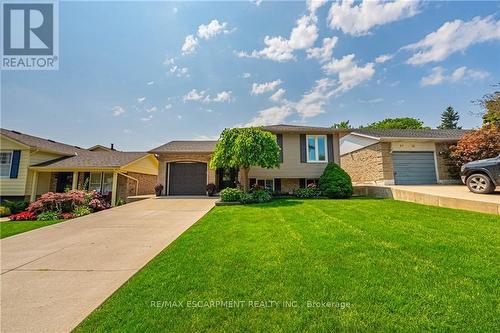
column 94, row 159
column 186, row 147
column 40, row 143
column 298, row 129
column 442, row 134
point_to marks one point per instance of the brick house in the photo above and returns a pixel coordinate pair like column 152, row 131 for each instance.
column 398, row 157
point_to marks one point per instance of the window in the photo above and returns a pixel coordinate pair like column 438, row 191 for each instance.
column 5, row 163
column 95, row 181
column 316, row 148
column 107, row 183
column 268, row 184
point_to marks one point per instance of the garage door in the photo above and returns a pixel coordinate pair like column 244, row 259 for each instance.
column 187, row 178
column 414, row 168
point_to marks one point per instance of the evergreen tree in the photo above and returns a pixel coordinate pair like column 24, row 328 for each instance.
column 449, row 119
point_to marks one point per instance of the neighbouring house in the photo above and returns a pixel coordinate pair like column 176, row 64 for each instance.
column 31, row 166
column 184, row 165
column 398, row 156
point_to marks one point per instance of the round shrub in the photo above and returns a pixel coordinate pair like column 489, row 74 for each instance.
column 311, row 191
column 335, row 182
column 261, row 196
column 47, row 216
column 230, row 194
column 4, row 211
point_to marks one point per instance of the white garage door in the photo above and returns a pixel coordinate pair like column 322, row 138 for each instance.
column 414, row 168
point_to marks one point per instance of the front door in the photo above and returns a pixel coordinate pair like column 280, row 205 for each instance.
column 227, row 178
column 64, row 181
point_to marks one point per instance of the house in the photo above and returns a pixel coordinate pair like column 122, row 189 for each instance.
column 31, row 166
column 184, row 165
column 398, row 156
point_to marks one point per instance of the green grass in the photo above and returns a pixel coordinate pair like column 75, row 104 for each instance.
column 400, row 266
column 11, row 228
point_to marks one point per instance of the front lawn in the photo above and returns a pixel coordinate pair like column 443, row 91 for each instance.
column 383, row 265
column 11, row 228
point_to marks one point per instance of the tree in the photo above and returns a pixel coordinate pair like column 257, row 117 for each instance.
column 243, row 148
column 477, row 145
column 490, row 104
column 397, row 123
column 343, row 125
column 449, row 119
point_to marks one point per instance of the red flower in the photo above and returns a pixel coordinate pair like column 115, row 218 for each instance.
column 23, row 216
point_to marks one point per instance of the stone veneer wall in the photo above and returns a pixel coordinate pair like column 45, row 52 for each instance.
column 176, row 157
column 364, row 165
column 443, row 164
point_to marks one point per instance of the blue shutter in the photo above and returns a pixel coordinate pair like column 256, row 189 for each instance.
column 14, row 169
column 279, row 140
column 329, row 139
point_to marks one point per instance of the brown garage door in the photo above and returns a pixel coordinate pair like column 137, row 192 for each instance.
column 188, row 178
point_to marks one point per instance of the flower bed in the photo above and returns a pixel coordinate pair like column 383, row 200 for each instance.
column 66, row 205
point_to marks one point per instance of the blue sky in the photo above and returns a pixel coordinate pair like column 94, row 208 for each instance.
column 129, row 73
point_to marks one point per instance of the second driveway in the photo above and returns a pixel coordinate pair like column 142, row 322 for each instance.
column 53, row 277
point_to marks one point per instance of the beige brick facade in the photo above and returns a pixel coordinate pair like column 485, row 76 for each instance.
column 443, row 164
column 146, row 183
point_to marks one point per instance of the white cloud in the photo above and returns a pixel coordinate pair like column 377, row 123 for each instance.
column 305, row 33
column 256, row 2
column 118, row 110
column 179, row 117
column 371, row 101
column 278, row 95
column 150, row 83
column 324, row 53
column 438, row 76
column 271, row 116
column 169, row 61
column 246, row 75
column 451, row 37
column 141, row 99
column 152, row 109
column 168, row 106
column 223, row 96
column 349, row 73
column 314, row 5
column 302, row 36
column 175, row 10
column 313, row 103
column 261, row 88
column 190, row 45
column 358, row 19
column 212, row 29
column 194, row 95
column 147, row 118
column 179, row 71
column 383, row 58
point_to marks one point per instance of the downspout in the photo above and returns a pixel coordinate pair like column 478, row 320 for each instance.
column 134, row 179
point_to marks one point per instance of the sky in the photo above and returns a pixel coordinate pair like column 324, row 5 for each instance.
column 139, row 74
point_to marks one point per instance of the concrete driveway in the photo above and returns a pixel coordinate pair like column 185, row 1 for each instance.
column 53, row 277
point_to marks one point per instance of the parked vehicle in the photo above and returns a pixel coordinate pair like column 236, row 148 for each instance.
column 481, row 176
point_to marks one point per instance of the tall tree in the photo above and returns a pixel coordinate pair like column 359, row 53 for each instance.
column 490, row 105
column 343, row 125
column 449, row 119
column 398, row 123
column 243, row 148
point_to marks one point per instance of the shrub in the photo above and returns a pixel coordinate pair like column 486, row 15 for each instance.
column 62, row 202
column 47, row 216
column 335, row 182
column 23, row 216
column 120, row 202
column 246, row 198
column 210, row 189
column 82, row 211
column 230, row 194
column 477, row 145
column 95, row 201
column 16, row 206
column 261, row 196
column 66, row 216
column 311, row 191
column 158, row 189
column 4, row 211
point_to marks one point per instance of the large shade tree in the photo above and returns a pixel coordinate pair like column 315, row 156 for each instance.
column 397, row 123
column 242, row 148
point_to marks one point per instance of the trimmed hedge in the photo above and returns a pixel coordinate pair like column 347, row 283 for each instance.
column 335, row 182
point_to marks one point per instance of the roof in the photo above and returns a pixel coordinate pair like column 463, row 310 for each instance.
column 40, row 143
column 94, row 159
column 421, row 134
column 283, row 128
column 99, row 148
column 186, row 147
